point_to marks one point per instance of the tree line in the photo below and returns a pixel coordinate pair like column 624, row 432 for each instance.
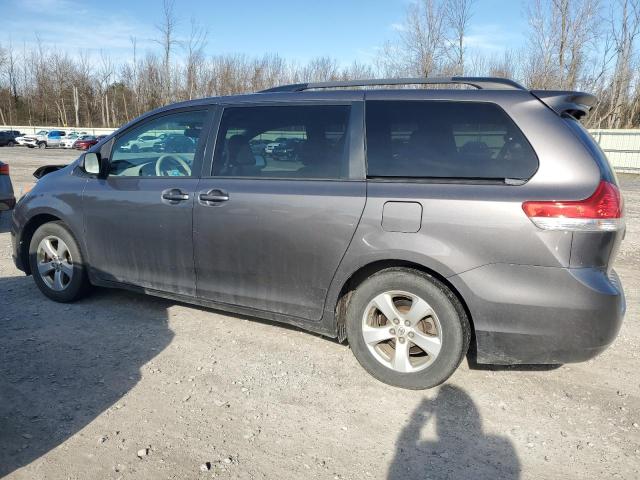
column 587, row 45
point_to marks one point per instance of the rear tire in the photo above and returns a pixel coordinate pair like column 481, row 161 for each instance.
column 425, row 340
column 57, row 264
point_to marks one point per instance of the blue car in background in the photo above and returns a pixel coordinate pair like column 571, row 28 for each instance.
column 54, row 138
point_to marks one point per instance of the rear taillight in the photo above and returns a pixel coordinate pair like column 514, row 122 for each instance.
column 602, row 211
column 4, row 169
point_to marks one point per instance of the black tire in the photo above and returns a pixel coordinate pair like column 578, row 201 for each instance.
column 135, row 148
column 78, row 285
column 42, row 145
column 11, row 143
column 452, row 318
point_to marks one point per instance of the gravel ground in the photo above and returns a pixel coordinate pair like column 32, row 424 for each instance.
column 125, row 386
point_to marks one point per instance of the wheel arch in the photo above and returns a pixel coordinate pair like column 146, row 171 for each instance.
column 362, row 273
column 27, row 234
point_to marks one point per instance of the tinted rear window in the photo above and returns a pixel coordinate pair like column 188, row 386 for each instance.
column 445, row 140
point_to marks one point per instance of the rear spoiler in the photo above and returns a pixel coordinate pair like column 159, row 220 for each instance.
column 576, row 104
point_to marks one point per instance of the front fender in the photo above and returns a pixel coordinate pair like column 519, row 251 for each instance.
column 58, row 195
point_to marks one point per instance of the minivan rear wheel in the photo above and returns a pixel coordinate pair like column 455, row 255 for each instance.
column 407, row 329
column 56, row 263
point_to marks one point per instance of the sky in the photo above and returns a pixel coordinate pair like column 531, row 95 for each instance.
column 347, row 30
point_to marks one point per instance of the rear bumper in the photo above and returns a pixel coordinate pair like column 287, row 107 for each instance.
column 541, row 315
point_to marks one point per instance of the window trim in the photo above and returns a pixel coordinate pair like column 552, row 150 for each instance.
column 198, row 158
column 448, row 180
column 354, row 132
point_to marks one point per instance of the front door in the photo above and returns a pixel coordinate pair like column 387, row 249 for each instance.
column 279, row 209
column 138, row 220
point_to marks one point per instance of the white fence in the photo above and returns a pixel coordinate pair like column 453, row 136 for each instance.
column 622, row 148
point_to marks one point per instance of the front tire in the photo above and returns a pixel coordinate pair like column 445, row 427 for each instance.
column 42, row 145
column 407, row 329
column 57, row 264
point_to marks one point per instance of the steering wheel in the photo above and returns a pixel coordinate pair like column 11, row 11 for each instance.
column 162, row 172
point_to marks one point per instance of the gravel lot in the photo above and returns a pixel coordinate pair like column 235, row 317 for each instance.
column 125, row 386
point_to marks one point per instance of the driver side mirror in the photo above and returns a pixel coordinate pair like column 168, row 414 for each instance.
column 92, row 163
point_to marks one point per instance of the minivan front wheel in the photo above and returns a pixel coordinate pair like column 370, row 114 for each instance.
column 407, row 329
column 56, row 263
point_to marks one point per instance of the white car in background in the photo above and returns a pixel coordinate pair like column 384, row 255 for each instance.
column 31, row 140
column 142, row 143
column 69, row 140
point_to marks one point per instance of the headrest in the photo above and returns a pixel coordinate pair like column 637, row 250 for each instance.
column 240, row 151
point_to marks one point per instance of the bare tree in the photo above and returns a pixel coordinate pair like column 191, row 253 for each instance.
column 422, row 48
column 458, row 14
column 625, row 33
column 168, row 41
column 195, row 55
column 561, row 33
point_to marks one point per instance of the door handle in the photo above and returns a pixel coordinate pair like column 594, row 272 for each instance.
column 214, row 196
column 175, row 195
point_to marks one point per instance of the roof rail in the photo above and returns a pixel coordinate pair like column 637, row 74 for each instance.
column 491, row 83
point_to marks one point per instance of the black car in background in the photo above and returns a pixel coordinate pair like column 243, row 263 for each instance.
column 8, row 139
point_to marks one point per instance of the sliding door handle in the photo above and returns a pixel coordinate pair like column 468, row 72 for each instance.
column 174, row 195
column 214, row 196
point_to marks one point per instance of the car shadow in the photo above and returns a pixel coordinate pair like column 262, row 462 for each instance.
column 461, row 450
column 62, row 365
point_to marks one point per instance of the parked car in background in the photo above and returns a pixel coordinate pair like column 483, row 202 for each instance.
column 7, row 139
column 22, row 140
column 54, row 138
column 85, row 142
column 174, row 142
column 276, row 143
column 411, row 222
column 44, row 139
column 143, row 143
column 15, row 133
column 32, row 140
column 69, row 140
column 7, row 198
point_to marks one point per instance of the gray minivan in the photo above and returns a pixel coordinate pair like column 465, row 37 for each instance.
column 416, row 223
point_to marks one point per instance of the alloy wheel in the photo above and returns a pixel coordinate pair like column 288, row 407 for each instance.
column 55, row 265
column 402, row 331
